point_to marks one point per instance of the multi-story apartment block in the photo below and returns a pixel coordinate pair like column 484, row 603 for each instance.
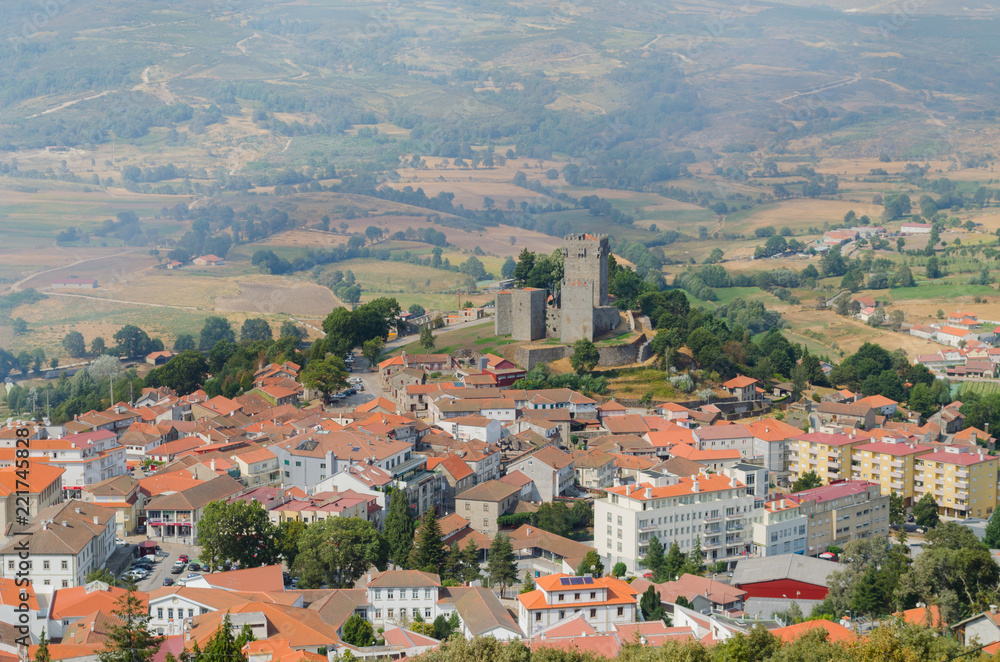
column 35, row 489
column 605, row 602
column 963, row 484
column 551, row 469
column 827, row 453
column 88, row 458
column 889, row 464
column 773, row 440
column 258, row 467
column 714, row 510
column 121, row 493
column 174, row 517
column 307, row 459
column 842, row 512
column 779, row 528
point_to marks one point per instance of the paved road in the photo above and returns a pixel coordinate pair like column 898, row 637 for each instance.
column 165, row 558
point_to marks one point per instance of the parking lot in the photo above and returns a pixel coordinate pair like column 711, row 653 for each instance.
column 165, row 558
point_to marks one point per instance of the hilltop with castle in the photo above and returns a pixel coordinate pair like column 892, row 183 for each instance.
column 579, row 310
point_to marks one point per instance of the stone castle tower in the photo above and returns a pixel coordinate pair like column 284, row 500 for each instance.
column 585, row 260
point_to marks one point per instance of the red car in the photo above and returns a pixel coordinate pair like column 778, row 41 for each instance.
column 183, row 558
column 647, row 575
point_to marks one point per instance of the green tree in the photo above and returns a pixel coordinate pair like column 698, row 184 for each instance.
column 470, row 563
column 508, row 268
column 240, row 532
column 806, row 481
column 896, row 509
column 428, row 552
column 925, row 511
column 215, row 329
column 101, row 575
column 185, row 373
column 223, row 646
column 529, row 584
column 501, row 565
column 695, row 564
column 325, row 375
column 673, row 564
column 291, row 330
column 338, row 551
column 651, row 606
column 590, row 565
column 74, row 344
column 255, row 328
column 654, row 560
column 97, row 346
column 372, row 349
column 398, row 528
column 288, row 535
column 131, row 639
column 585, row 356
column 427, row 337
column 132, row 342
column 933, row 268
column 992, row 536
column 42, row 653
column 358, row 631
column 184, row 342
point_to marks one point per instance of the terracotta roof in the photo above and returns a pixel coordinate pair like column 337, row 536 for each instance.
column 303, row 626
column 12, row 595
column 927, row 616
column 684, row 487
column 837, row 632
column 404, row 578
column 76, row 602
column 197, row 496
column 742, row 381
column 618, row 592
column 592, row 459
column 491, row 490
column 35, row 480
column 266, row 578
column 549, row 455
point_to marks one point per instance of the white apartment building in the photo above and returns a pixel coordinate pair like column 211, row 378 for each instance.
column 605, row 602
column 780, row 527
column 396, row 597
column 713, row 509
column 88, row 458
column 67, row 541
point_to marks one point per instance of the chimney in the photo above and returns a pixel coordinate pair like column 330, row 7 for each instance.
column 213, row 464
column 78, row 511
column 65, row 523
column 527, row 531
column 96, row 519
column 694, row 486
column 649, row 493
column 45, row 525
column 993, row 609
column 782, row 506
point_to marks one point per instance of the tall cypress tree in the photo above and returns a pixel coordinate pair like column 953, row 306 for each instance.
column 428, row 555
column 654, row 556
column 398, row 529
column 42, row 654
column 223, row 646
column 502, row 565
column 674, row 564
column 470, row 563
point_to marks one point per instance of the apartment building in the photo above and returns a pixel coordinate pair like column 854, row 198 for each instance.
column 780, row 527
column 964, row 484
column 773, row 440
column 35, row 489
column 842, row 512
column 88, row 458
column 827, row 453
column 889, row 464
column 402, row 596
column 605, row 602
column 551, row 469
column 174, row 516
column 307, row 459
column 485, row 502
column 710, row 508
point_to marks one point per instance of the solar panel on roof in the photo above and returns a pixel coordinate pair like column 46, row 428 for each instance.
column 566, row 581
column 586, row 580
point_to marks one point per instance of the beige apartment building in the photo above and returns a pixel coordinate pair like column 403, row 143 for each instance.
column 890, row 465
column 963, row 484
column 826, row 453
column 842, row 512
column 484, row 503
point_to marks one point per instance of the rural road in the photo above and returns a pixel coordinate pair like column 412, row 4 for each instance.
column 123, row 301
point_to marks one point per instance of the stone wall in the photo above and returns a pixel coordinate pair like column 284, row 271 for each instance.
column 606, row 318
column 577, row 306
column 528, row 314
column 553, row 322
column 585, row 258
column 624, row 354
column 528, row 356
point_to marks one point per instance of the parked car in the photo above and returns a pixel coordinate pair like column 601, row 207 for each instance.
column 141, row 529
column 183, row 558
column 176, row 570
column 168, row 582
column 194, row 566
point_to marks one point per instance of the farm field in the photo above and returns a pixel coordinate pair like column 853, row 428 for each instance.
column 278, row 296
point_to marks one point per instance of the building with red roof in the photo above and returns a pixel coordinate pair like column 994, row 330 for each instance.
column 606, row 602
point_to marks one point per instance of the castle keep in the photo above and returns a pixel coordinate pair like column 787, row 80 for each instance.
column 581, row 309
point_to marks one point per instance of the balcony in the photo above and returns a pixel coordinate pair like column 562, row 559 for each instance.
column 961, row 473
column 939, row 493
column 644, row 529
column 895, row 485
column 896, row 474
column 712, row 518
column 962, row 484
column 896, row 464
column 712, row 544
column 832, row 475
column 832, row 465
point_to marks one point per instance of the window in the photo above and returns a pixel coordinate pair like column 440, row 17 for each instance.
column 65, row 583
column 486, row 521
column 170, row 614
column 45, row 565
column 593, row 595
column 389, row 594
column 621, row 611
column 286, row 463
column 609, row 517
column 65, row 565
column 427, row 595
column 562, row 614
column 190, row 613
column 10, row 565
column 427, row 612
column 378, row 594
column 47, row 583
column 538, row 616
column 486, row 507
column 468, row 506
column 389, row 613
column 562, row 596
column 593, row 613
column 576, row 596
column 204, row 610
column 159, row 613
column 378, row 614
column 619, row 547
column 416, row 613
column 298, row 464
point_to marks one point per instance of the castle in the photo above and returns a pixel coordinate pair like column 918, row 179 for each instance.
column 581, row 309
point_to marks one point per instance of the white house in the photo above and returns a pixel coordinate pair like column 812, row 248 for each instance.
column 950, row 335
column 605, row 602
column 399, row 596
column 779, row 528
column 915, row 228
column 88, row 458
column 465, row 428
column 67, row 541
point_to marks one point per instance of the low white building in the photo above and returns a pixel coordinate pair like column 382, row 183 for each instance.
column 466, row 428
column 397, row 597
column 605, row 602
column 88, row 458
column 713, row 509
